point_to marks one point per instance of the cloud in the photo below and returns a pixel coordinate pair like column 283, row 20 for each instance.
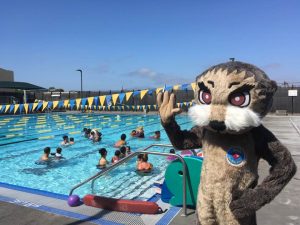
column 158, row 78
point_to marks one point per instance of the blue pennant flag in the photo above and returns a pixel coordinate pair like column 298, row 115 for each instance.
column 121, row 97
column 83, row 101
column 150, row 92
column 96, row 101
column 60, row 104
column 72, row 103
column 11, row 108
column 50, row 104
column 22, row 106
column 185, row 87
column 136, row 93
column 168, row 88
column 39, row 106
column 29, row 107
column 108, row 100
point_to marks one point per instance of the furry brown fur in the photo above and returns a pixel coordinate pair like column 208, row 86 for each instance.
column 231, row 99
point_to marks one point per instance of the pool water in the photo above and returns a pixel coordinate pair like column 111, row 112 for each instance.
column 23, row 138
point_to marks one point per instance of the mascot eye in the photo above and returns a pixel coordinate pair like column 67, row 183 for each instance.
column 205, row 97
column 240, row 99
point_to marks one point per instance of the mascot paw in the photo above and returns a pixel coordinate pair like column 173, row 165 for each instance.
column 244, row 204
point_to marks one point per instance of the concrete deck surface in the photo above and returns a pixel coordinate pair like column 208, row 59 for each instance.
column 283, row 210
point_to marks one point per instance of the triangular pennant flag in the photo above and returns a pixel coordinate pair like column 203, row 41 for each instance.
column 128, row 95
column 0, row 108
column 154, row 106
column 22, row 106
column 78, row 100
column 83, row 101
column 150, row 92
column 168, row 88
column 30, row 105
column 26, row 108
column 16, row 108
column 72, row 103
column 104, row 107
column 60, row 104
column 40, row 104
column 158, row 90
column 123, row 108
column 45, row 104
column 66, row 103
column 6, row 108
column 181, row 104
column 102, row 99
column 178, row 105
column 108, row 100
column 143, row 92
column 176, row 87
column 90, row 101
column 185, row 86
column 34, row 106
column 136, row 93
column 96, row 101
column 121, row 97
column 50, row 104
column 11, row 108
column 114, row 98
column 193, row 86
column 55, row 104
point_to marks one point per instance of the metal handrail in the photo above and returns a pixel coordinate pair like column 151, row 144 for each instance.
column 106, row 170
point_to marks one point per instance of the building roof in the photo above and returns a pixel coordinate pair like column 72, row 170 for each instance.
column 19, row 85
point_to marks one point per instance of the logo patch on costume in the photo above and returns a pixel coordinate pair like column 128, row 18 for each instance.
column 235, row 157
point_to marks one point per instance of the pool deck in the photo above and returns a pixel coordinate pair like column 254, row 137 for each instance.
column 26, row 208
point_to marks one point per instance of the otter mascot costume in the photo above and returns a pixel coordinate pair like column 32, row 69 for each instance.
column 230, row 101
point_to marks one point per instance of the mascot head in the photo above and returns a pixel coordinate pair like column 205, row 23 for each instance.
column 232, row 97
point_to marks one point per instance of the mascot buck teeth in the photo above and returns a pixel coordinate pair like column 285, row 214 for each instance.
column 230, row 101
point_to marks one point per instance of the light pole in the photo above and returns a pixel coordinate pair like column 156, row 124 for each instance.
column 80, row 84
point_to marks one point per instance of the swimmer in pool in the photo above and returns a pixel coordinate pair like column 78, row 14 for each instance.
column 143, row 165
column 102, row 161
column 116, row 157
column 45, row 156
column 121, row 142
column 65, row 141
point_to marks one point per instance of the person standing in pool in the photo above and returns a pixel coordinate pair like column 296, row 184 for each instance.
column 121, row 142
column 45, row 156
column 102, row 161
column 65, row 141
column 143, row 165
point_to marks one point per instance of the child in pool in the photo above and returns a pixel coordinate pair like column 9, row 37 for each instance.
column 72, row 142
column 156, row 135
column 121, row 142
column 45, row 156
column 116, row 157
column 102, row 161
column 123, row 152
column 143, row 165
column 65, row 141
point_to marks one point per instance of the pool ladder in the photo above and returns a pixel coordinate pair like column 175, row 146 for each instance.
column 127, row 158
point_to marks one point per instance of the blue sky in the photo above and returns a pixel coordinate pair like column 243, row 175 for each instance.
column 145, row 44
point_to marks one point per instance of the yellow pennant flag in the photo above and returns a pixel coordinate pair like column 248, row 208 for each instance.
column 154, row 106
column 66, row 103
column 176, row 87
column 0, row 107
column 128, row 95
column 193, row 86
column 143, row 107
column 34, row 106
column 123, row 107
column 26, row 108
column 45, row 104
column 102, row 99
column 55, row 104
column 178, row 105
column 104, row 107
column 78, row 101
column 90, row 101
column 114, row 98
column 158, row 90
column 16, row 108
column 138, row 107
column 7, row 108
column 143, row 92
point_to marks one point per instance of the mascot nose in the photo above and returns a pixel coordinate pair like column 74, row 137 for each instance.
column 217, row 125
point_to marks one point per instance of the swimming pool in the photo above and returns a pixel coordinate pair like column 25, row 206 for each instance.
column 23, row 138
